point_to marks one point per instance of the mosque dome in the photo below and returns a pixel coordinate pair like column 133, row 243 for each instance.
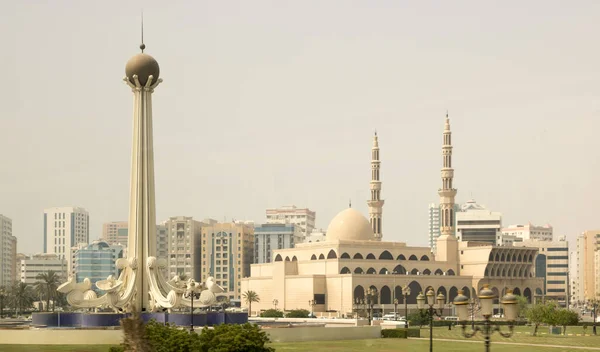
column 351, row 225
column 144, row 66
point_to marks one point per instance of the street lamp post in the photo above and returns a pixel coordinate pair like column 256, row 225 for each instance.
column 395, row 309
column 192, row 293
column 594, row 312
column 275, row 303
column 486, row 300
column 428, row 303
column 406, row 293
column 312, row 304
column 473, row 305
column 371, row 296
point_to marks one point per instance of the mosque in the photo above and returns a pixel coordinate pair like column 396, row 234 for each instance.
column 332, row 276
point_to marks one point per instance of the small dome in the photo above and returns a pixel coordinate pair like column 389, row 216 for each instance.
column 144, row 66
column 351, row 225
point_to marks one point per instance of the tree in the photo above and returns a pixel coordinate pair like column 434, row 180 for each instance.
column 566, row 317
column 46, row 284
column 523, row 306
column 3, row 296
column 272, row 313
column 421, row 317
column 536, row 316
column 297, row 313
column 250, row 297
column 21, row 296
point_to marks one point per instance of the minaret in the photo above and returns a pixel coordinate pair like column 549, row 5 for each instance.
column 142, row 73
column 447, row 193
column 447, row 245
column 376, row 203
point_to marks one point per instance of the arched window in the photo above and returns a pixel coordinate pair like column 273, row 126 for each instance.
column 520, row 259
column 359, row 271
column 386, row 255
column 401, row 257
column 426, row 272
column 514, row 257
column 491, row 258
column 530, row 258
column 359, row 293
column 374, row 289
column 386, row 295
column 415, row 289
column 439, row 272
column 358, row 256
column 345, row 256
column 400, row 270
column 278, row 258
column 517, row 291
column 383, row 271
column 452, row 294
column 502, row 257
column 331, row 254
column 466, row 291
column 527, row 294
column 313, row 257
column 370, row 256
column 414, row 272
column 450, row 272
column 371, row 271
column 345, row 270
column 321, row 256
column 412, row 257
column 398, row 295
column 486, row 273
column 287, row 259
column 443, row 291
column 294, row 259
column 497, row 257
column 424, row 258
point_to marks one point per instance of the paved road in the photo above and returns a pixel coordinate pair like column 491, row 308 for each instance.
column 583, row 348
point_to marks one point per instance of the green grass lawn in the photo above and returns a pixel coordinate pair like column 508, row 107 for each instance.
column 377, row 345
column 521, row 336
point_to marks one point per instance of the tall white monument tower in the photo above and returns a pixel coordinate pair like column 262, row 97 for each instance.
column 140, row 285
column 376, row 203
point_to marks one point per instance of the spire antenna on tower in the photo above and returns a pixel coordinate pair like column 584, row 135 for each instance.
column 142, row 46
column 349, row 203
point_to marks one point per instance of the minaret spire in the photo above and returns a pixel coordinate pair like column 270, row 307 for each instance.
column 447, row 193
column 376, row 203
column 142, row 45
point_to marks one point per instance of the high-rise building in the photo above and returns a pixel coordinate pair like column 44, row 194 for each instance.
column 64, row 228
column 8, row 252
column 587, row 246
column 227, row 251
column 18, row 258
column 434, row 224
column 578, row 284
column 551, row 264
column 268, row 237
column 183, row 236
column 303, row 217
column 529, row 232
column 112, row 232
column 31, row 267
column 96, row 261
column 476, row 223
column 376, row 203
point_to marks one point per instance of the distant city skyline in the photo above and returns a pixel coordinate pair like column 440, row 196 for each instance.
column 267, row 105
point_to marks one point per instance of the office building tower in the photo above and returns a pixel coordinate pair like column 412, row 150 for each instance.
column 303, row 217
column 227, row 252
column 529, row 232
column 31, row 267
column 115, row 232
column 268, row 237
column 183, row 235
column 8, row 252
column 476, row 223
column 64, row 228
column 96, row 261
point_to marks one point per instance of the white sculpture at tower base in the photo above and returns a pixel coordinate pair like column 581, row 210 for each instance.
column 140, row 285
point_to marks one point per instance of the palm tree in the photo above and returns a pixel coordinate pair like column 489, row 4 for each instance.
column 22, row 296
column 46, row 285
column 3, row 296
column 249, row 297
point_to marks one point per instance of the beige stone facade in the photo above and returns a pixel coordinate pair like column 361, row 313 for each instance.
column 338, row 271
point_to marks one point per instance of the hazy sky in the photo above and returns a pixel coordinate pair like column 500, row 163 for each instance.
column 266, row 103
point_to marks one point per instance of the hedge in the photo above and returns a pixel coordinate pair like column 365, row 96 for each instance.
column 401, row 333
